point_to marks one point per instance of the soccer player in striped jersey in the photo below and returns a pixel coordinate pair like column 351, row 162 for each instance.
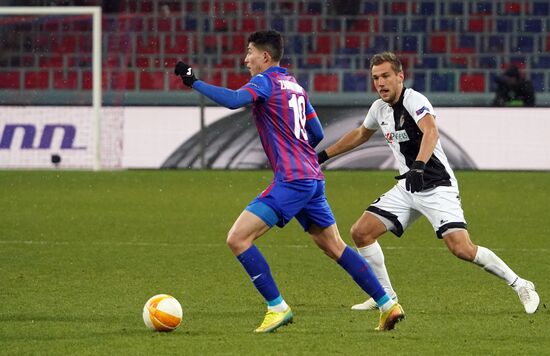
column 289, row 130
column 426, row 184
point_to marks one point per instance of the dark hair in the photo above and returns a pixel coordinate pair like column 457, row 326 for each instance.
column 270, row 41
column 384, row 57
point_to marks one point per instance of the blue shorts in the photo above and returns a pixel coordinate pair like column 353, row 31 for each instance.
column 303, row 199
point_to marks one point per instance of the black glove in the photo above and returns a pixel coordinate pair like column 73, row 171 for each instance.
column 186, row 73
column 322, row 156
column 414, row 177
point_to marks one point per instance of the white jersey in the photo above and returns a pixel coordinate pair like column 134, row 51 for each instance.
column 399, row 126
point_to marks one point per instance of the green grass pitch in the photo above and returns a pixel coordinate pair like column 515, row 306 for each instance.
column 81, row 252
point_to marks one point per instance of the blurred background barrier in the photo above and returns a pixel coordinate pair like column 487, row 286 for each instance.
column 452, row 51
column 169, row 137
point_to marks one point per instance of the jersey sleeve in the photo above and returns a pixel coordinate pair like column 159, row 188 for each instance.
column 259, row 86
column 370, row 122
column 417, row 105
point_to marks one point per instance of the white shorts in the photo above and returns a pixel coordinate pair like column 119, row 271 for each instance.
column 398, row 209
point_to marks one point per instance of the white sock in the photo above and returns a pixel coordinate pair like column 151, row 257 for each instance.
column 490, row 262
column 387, row 305
column 375, row 257
column 279, row 308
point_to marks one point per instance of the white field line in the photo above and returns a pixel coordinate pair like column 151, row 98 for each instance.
column 212, row 245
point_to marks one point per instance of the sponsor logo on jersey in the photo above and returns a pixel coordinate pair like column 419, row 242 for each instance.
column 397, row 136
column 421, row 110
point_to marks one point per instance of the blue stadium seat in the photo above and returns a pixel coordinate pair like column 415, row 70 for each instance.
column 314, row 7
column 467, row 41
column 390, row 25
column 428, row 63
column 538, row 81
column 484, row 7
column 427, row 8
column 505, row 25
column 456, row 8
column 354, row 82
column 419, row 81
column 409, row 44
column 278, row 24
column 489, row 62
column 294, row 45
column 444, row 82
column 370, row 7
column 541, row 62
column 496, row 43
column 541, row 8
column 418, row 25
column 258, row 6
column 532, row 25
column 446, row 24
column 303, row 79
column 342, row 62
column 379, row 44
column 524, row 44
column 493, row 80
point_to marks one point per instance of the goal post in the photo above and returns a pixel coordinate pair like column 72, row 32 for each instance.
column 96, row 72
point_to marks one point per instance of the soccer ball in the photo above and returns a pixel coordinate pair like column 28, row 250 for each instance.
column 162, row 312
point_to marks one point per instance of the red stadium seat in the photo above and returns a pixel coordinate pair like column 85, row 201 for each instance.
column 51, row 61
column 148, row 45
column 237, row 80
column 323, row 44
column 325, row 82
column 9, row 80
column 65, row 81
column 438, row 44
column 37, row 80
column 151, row 80
column 176, row 44
column 472, row 83
column 143, row 62
column 67, row 44
column 87, row 80
column 123, row 80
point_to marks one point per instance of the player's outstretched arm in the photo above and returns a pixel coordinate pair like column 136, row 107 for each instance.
column 348, row 142
column 231, row 99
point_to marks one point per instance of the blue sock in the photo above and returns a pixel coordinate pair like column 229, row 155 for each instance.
column 360, row 271
column 257, row 268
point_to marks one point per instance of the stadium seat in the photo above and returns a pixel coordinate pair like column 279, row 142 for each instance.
column 325, row 82
column 370, row 7
column 177, row 44
column 148, row 44
column 419, row 81
column 149, row 80
column 438, row 44
column 510, row 8
column 455, row 8
column 541, row 62
column 541, row 8
column 447, row 24
column 418, row 25
column 123, row 80
column 409, row 44
column 395, row 8
column 505, row 25
column 427, row 62
column 489, row 62
column 65, row 81
column 305, row 24
column 355, row 82
column 66, row 44
column 390, row 25
column 236, row 80
column 278, row 24
column 484, row 7
column 523, row 44
column 322, row 44
column 442, row 82
column 37, row 80
column 533, row 25
column 143, row 62
column 538, row 81
column 55, row 61
column 10, row 80
column 472, row 83
column 427, row 8
column 476, row 24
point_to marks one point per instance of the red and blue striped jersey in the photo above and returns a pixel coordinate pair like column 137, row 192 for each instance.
column 280, row 110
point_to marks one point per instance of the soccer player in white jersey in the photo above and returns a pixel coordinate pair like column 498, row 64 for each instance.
column 426, row 184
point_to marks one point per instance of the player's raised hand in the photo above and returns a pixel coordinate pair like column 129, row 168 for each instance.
column 186, row 73
column 414, row 178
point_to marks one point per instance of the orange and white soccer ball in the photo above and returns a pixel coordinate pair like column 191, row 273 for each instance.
column 162, row 312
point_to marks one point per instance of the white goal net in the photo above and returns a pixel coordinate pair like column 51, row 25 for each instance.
column 51, row 113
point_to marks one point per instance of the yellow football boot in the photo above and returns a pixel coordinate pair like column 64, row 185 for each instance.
column 273, row 320
column 391, row 317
